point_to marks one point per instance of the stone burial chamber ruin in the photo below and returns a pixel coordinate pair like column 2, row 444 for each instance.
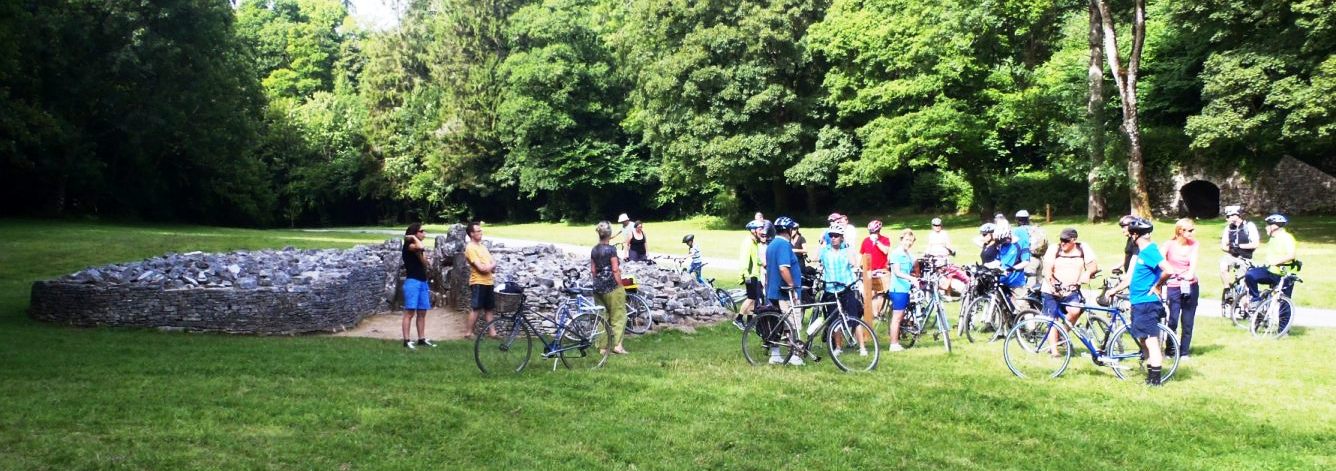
column 292, row 291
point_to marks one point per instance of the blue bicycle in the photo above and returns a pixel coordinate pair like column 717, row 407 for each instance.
column 1040, row 346
column 577, row 338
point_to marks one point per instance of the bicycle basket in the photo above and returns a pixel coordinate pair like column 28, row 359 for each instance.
column 507, row 302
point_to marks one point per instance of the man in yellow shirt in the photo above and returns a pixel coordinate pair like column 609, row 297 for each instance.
column 753, row 271
column 1280, row 251
column 481, row 267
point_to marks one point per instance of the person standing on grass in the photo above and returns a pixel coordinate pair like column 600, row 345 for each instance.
column 1181, row 253
column 606, row 269
column 1149, row 272
column 417, row 294
column 877, row 247
column 837, row 263
column 481, row 267
column 752, row 260
column 783, row 278
column 1238, row 241
column 901, row 283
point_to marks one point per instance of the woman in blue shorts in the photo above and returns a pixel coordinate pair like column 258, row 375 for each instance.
column 901, row 262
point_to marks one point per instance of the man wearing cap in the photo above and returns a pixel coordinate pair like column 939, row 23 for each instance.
column 877, row 248
column 939, row 242
column 1067, row 266
column 624, row 235
column 1238, row 241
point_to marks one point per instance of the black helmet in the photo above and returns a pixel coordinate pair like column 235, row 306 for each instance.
column 1277, row 219
column 686, row 239
column 1140, row 226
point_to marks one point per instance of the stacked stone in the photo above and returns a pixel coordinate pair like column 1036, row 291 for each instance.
column 540, row 270
column 267, row 292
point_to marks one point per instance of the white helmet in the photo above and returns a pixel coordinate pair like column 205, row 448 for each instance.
column 1022, row 214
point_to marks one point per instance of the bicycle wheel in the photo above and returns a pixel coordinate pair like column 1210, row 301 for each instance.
column 1273, row 317
column 1126, row 357
column 977, row 323
column 767, row 340
column 1237, row 307
column 1030, row 353
column 586, row 342
column 725, row 300
column 1096, row 329
column 943, row 326
column 639, row 319
column 1027, row 314
column 509, row 351
column 843, row 343
column 910, row 328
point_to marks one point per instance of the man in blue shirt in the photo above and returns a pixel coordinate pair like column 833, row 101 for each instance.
column 1149, row 272
column 784, row 276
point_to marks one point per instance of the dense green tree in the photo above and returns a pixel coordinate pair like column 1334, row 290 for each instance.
column 723, row 92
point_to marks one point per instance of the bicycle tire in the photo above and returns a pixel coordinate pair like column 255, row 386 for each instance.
column 639, row 318
column 1028, row 355
column 764, row 332
column 1097, row 329
column 1129, row 366
column 1268, row 320
column 725, row 300
column 909, row 329
column 1238, row 309
column 846, row 334
column 586, row 342
column 978, row 324
column 943, row 327
column 509, row 352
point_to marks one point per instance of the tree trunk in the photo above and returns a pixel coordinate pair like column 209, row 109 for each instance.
column 1096, row 206
column 1126, row 80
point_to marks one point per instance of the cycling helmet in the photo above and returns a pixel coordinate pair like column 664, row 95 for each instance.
column 835, row 229
column 833, row 217
column 1233, row 210
column 754, row 225
column 1277, row 219
column 874, row 226
column 686, row 239
column 785, row 223
column 1022, row 214
column 936, row 221
column 987, row 228
column 1140, row 226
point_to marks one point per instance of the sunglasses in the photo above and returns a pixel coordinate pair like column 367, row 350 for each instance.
column 1067, row 241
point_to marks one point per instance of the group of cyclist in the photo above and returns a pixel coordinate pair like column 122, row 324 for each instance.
column 772, row 273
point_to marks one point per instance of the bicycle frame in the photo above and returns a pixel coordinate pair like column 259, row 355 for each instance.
column 1098, row 355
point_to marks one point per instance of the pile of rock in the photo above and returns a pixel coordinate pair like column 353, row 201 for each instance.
column 293, row 291
column 265, row 292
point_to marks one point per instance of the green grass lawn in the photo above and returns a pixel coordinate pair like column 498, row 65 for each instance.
column 1316, row 236
column 141, row 399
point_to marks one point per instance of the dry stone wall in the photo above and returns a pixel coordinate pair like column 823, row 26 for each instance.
column 293, row 291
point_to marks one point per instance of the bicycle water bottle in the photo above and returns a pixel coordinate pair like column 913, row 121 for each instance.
column 816, row 326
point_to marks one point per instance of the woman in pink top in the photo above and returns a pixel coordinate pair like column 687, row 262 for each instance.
column 1181, row 255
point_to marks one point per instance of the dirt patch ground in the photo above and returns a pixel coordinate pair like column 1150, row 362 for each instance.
column 442, row 324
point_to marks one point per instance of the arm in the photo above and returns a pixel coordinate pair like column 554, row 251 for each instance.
column 1126, row 280
column 786, row 275
column 1164, row 276
column 1050, row 270
column 617, row 269
column 1191, row 272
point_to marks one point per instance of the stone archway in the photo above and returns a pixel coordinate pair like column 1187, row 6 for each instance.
column 1200, row 199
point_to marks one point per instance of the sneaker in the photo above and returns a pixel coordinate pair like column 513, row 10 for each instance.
column 737, row 322
column 775, row 357
column 409, row 344
column 795, row 361
column 837, row 352
column 426, row 342
column 862, row 352
column 895, row 347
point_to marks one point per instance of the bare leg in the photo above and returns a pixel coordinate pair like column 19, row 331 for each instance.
column 473, row 322
column 896, row 317
column 422, row 323
column 408, row 323
column 487, row 315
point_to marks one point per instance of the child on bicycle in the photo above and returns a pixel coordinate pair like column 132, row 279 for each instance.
column 694, row 253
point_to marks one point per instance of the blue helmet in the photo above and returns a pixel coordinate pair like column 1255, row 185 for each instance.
column 754, row 225
column 785, row 223
column 1277, row 219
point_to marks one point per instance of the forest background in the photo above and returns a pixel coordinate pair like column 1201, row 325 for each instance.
column 287, row 113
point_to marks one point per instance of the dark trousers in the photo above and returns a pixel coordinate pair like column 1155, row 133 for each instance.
column 1183, row 303
column 1263, row 276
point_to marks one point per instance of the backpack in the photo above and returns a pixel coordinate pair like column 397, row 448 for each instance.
column 1038, row 241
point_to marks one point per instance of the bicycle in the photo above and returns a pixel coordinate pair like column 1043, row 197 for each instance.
column 1041, row 345
column 1234, row 299
column 639, row 317
column 581, row 340
column 993, row 311
column 925, row 306
column 771, row 338
column 1093, row 324
column 1273, row 312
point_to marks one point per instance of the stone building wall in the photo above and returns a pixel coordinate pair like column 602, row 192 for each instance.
column 1291, row 187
